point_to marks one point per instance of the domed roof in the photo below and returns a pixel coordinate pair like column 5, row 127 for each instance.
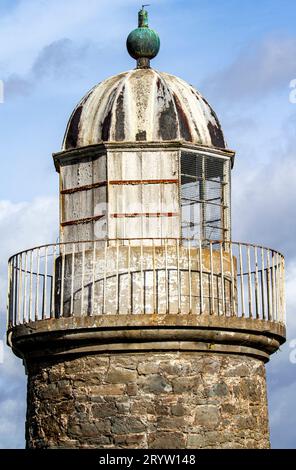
column 143, row 105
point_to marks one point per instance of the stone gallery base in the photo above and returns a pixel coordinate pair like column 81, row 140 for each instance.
column 148, row 400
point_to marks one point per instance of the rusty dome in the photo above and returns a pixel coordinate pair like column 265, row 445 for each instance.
column 143, row 105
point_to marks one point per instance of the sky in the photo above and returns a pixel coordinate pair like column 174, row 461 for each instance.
column 239, row 55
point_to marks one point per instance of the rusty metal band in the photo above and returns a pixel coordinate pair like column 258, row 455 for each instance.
column 145, row 214
column 82, row 221
column 127, row 182
column 84, row 188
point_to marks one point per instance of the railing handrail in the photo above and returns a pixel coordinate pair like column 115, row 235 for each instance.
column 97, row 240
column 236, row 278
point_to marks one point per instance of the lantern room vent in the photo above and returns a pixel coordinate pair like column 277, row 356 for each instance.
column 205, row 196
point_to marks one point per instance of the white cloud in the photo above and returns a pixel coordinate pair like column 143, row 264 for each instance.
column 22, row 226
column 25, row 223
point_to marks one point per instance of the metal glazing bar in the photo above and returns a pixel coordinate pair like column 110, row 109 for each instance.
column 192, row 202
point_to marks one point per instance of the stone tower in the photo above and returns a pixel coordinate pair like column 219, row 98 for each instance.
column 146, row 326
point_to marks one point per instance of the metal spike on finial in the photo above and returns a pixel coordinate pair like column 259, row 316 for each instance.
column 143, row 43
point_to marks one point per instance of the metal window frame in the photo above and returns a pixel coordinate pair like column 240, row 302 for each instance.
column 225, row 191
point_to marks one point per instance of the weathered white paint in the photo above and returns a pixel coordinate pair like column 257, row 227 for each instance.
column 143, row 101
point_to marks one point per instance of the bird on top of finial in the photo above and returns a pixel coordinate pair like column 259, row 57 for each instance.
column 143, row 43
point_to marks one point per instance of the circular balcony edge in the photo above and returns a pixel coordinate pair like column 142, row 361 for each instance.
column 150, row 332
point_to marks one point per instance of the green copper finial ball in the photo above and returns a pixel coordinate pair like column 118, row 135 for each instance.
column 143, row 42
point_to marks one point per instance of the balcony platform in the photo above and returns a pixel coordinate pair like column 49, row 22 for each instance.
column 131, row 333
column 146, row 295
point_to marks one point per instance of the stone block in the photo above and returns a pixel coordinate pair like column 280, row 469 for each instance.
column 117, row 375
column 196, row 441
column 131, row 389
column 104, row 410
column 148, row 368
column 207, row 416
column 130, row 441
column 156, row 384
column 127, row 425
column 187, row 384
column 167, row 440
column 109, row 389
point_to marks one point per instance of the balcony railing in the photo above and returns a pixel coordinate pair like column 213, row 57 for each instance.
column 146, row 276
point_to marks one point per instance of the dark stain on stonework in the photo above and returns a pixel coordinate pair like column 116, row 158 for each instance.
column 73, row 131
column 215, row 131
column 168, row 123
column 183, row 121
column 158, row 84
column 141, row 136
column 72, row 134
column 120, row 115
column 106, row 124
column 216, row 134
column 167, row 128
column 198, row 97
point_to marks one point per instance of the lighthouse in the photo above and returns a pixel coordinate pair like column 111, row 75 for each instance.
column 146, row 326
